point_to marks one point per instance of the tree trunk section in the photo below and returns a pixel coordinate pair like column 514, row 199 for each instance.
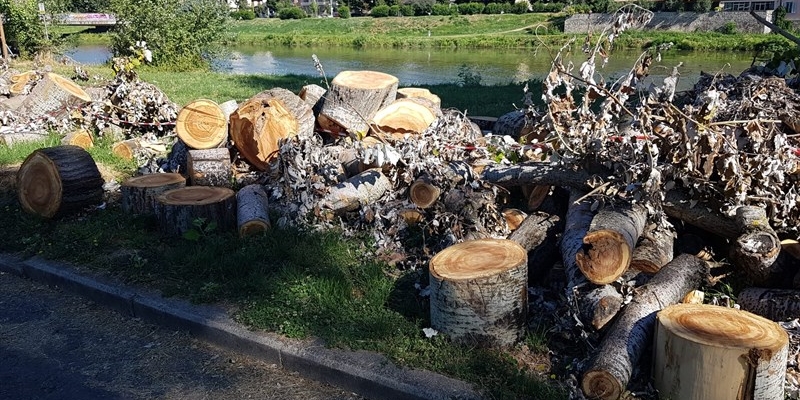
column 712, row 352
column 654, row 250
column 631, row 334
column 536, row 173
column 404, row 116
column 757, row 247
column 81, row 138
column 253, row 212
column 774, row 304
column 139, row 192
column 260, row 123
column 126, row 149
column 677, row 204
column 313, row 95
column 514, row 218
column 52, row 96
column 354, row 98
column 538, row 235
column 55, row 181
column 211, row 167
column 610, row 241
column 479, row 292
column 536, row 195
column 364, row 188
column 413, row 92
column 423, row 192
column 201, row 124
column 11, row 139
column 177, row 210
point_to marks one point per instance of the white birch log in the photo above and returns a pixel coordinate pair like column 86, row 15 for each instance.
column 364, row 188
column 774, row 304
column 252, row 210
column 210, row 167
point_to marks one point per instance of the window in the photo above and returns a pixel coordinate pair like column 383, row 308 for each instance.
column 736, row 6
column 763, row 5
column 789, row 6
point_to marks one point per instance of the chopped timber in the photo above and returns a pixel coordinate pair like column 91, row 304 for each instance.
column 261, row 122
column 80, row 137
column 127, row 149
column 253, row 213
column 536, row 195
column 479, row 292
column 677, row 204
column 411, row 216
column 712, row 352
column 609, row 242
column 11, row 139
column 423, row 192
column 228, row 108
column 353, row 99
column 210, row 167
column 514, row 218
column 202, row 124
column 55, row 181
column 139, row 192
column 538, row 235
column 414, row 92
column 361, row 189
column 313, row 96
column 773, row 304
column 654, row 249
column 516, row 124
column 757, row 247
column 53, row 96
column 404, row 116
column 632, row 332
column 178, row 210
column 483, row 122
column 537, row 173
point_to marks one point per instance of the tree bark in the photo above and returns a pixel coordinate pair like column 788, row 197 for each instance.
column 404, row 116
column 52, row 96
column 757, row 247
column 536, row 173
column 774, row 304
column 253, row 211
column 56, row 181
column 313, row 95
column 364, row 188
column 413, row 92
column 479, row 292
column 712, row 352
column 353, row 99
column 11, row 139
column 80, row 137
column 631, row 334
column 538, row 235
column 178, row 210
column 202, row 124
column 654, row 250
column 139, row 192
column 677, row 204
column 211, row 167
column 515, row 124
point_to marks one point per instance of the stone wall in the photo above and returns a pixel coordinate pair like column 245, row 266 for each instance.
column 675, row 21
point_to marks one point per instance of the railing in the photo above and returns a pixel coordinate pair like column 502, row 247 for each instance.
column 85, row 19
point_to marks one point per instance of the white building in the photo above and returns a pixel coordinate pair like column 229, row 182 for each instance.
column 791, row 6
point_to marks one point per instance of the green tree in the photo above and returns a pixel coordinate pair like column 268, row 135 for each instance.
column 314, row 8
column 23, row 28
column 702, row 6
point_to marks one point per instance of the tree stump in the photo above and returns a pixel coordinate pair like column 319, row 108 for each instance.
column 52, row 96
column 81, row 138
column 139, row 192
column 405, row 116
column 414, row 92
column 479, row 292
column 261, row 122
column 711, row 352
column 253, row 212
column 210, row 167
column 59, row 180
column 353, row 99
column 202, row 124
column 178, row 210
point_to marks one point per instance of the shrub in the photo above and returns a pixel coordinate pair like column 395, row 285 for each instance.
column 547, row 7
column 422, row 7
column 444, row 9
column 470, row 8
column 23, row 29
column 380, row 11
column 673, row 5
column 729, row 28
column 579, row 9
column 243, row 15
column 494, row 8
column 519, row 8
column 407, row 10
column 702, row 6
column 292, row 13
column 344, row 11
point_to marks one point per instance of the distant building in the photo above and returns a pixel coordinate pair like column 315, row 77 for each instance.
column 234, row 4
column 791, row 6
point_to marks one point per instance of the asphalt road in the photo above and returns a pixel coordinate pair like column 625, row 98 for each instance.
column 55, row 345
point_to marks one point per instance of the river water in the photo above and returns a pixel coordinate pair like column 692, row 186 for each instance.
column 434, row 66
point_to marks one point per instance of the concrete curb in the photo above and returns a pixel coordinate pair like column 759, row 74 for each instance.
column 365, row 373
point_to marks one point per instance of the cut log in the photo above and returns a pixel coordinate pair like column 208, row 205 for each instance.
column 81, row 138
column 354, row 98
column 59, row 180
column 610, row 241
column 479, row 292
column 211, row 167
column 414, row 92
column 538, row 235
column 536, row 173
column 677, row 204
column 253, row 211
column 654, row 249
column 423, row 192
column 11, row 139
column 774, row 304
column 514, row 218
column 313, row 95
column 202, row 124
column 516, row 124
column 757, row 247
column 712, row 352
column 228, row 108
column 411, row 217
column 139, row 192
column 484, row 123
column 632, row 333
column 260, row 123
column 179, row 210
column 127, row 149
column 364, row 188
column 20, row 83
column 404, row 116
column 53, row 96
column 536, row 195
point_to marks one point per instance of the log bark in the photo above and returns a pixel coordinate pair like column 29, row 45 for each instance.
column 677, row 204
column 514, row 218
column 211, row 167
column 202, row 124
column 56, row 181
column 126, row 149
column 609, row 242
column 11, row 139
column 479, row 292
column 354, row 98
column 757, row 247
column 313, row 95
column 654, row 250
column 414, row 92
column 631, row 334
column 484, row 123
column 423, row 192
column 53, row 96
column 364, row 188
column 80, row 137
column 515, row 124
column 177, row 210
column 404, row 116
column 774, row 304
column 536, row 195
column 253, row 212
column 228, row 108
column 536, row 173
column 139, row 192
column 712, row 352
column 538, row 234
column 259, row 124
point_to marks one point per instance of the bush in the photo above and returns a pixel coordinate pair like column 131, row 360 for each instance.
column 422, row 7
column 292, row 13
column 380, row 11
column 546, row 7
column 444, row 9
column 579, row 9
column 344, row 11
column 519, row 8
column 394, row 11
column 495, row 8
column 23, row 29
column 243, row 15
column 702, row 6
column 729, row 28
column 407, row 10
column 470, row 8
column 673, row 5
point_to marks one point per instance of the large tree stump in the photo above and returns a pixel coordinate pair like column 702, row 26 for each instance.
column 55, row 181
column 139, row 192
column 757, row 247
column 405, row 116
column 610, row 241
column 178, row 210
column 774, row 304
column 479, row 292
column 52, row 96
column 210, row 167
column 261, row 122
column 364, row 188
column 353, row 99
column 253, row 213
column 202, row 124
column 711, row 352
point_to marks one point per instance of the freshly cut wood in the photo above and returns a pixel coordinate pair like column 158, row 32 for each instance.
column 678, row 204
column 536, row 173
column 139, row 192
column 774, row 304
column 757, row 247
column 228, row 108
column 694, row 297
column 211, row 167
column 253, row 212
column 411, row 217
column 404, row 116
column 126, row 149
column 354, row 98
column 479, row 292
column 202, row 124
column 712, row 352
column 610, row 241
column 261, row 122
column 514, row 218
column 364, row 188
column 177, row 210
column 414, row 92
column 536, row 195
column 654, row 249
column 55, row 181
column 313, row 96
column 631, row 334
column 13, row 138
column 423, row 192
column 54, row 95
column 81, row 138
column 20, row 82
